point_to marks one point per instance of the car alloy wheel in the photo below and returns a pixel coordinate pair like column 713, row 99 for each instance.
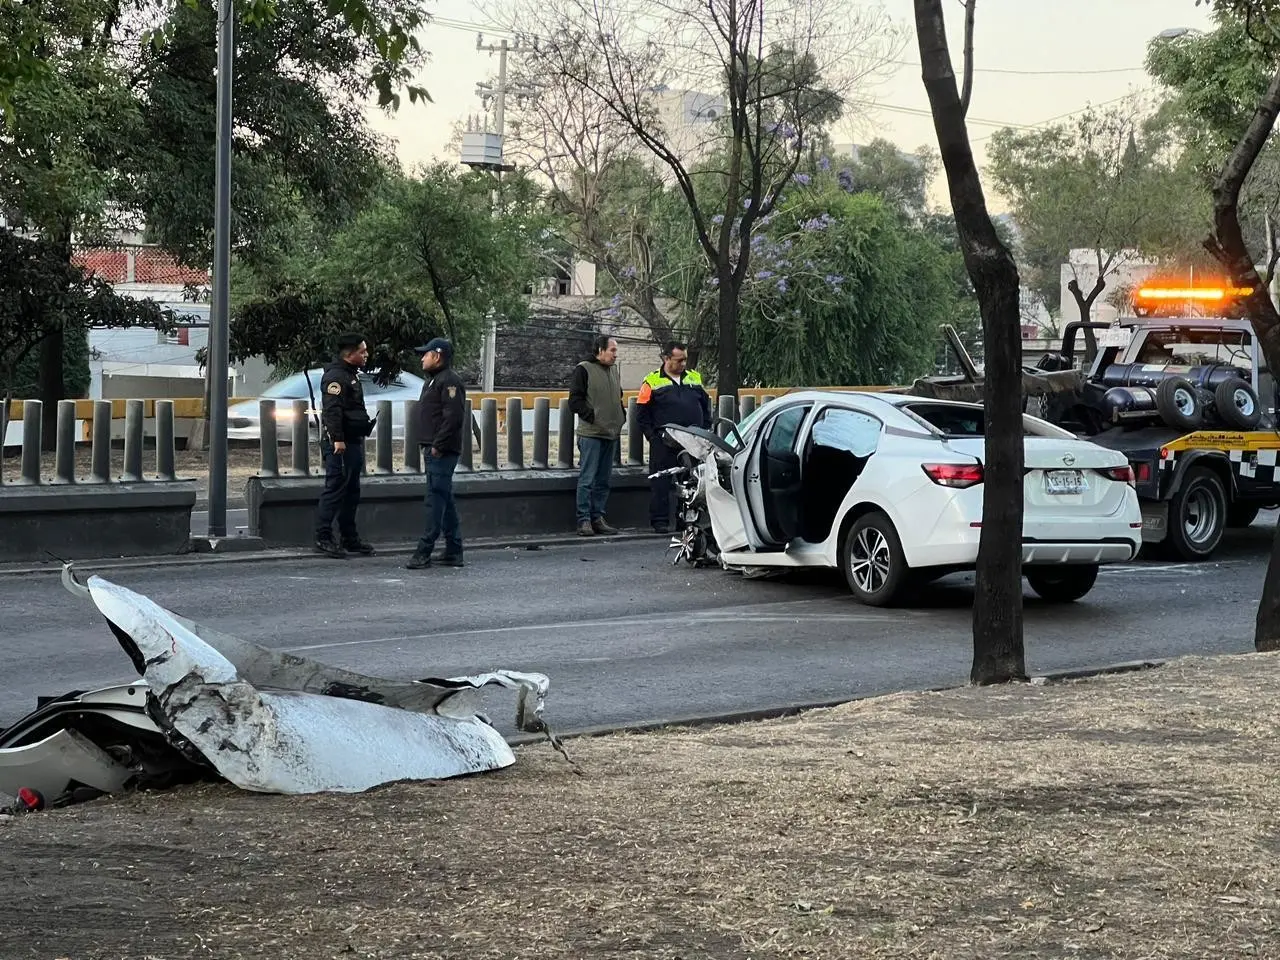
column 871, row 563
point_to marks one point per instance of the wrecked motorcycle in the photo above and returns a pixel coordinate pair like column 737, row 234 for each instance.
column 693, row 541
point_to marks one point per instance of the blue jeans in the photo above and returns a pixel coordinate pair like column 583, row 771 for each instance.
column 595, row 467
column 442, row 511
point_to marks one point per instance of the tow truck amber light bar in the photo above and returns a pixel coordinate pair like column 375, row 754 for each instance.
column 1192, row 293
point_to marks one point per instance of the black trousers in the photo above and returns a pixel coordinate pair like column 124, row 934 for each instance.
column 341, row 493
column 661, row 457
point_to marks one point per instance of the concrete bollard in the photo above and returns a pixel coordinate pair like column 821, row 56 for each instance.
column 489, row 434
column 467, row 462
column 32, row 436
column 727, row 407
column 515, row 433
column 412, row 455
column 541, row 432
column 384, row 463
column 134, row 418
column 165, row 448
column 301, row 433
column 100, row 451
column 748, row 406
column 564, row 448
column 635, row 438
column 65, row 443
column 268, row 439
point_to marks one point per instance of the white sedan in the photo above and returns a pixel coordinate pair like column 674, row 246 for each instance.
column 888, row 488
column 243, row 418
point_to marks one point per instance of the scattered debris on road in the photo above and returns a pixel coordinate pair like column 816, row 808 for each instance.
column 209, row 705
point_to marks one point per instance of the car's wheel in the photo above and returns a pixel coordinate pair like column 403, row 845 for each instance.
column 1237, row 404
column 1242, row 514
column 1197, row 516
column 1064, row 583
column 872, row 560
column 1178, row 404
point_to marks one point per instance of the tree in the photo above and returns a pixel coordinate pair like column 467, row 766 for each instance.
column 426, row 257
column 1260, row 20
column 843, row 291
column 997, row 608
column 781, row 79
column 1103, row 181
column 40, row 292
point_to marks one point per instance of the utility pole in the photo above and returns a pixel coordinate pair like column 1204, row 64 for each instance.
column 219, row 325
column 483, row 150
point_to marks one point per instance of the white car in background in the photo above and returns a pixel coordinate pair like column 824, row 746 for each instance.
column 888, row 489
column 243, row 419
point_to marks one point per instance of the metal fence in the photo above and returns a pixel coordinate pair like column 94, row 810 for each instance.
column 484, row 435
column 100, row 468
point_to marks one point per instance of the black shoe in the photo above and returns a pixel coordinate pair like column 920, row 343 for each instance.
column 419, row 561
column 358, row 546
column 451, row 560
column 330, row 548
column 601, row 526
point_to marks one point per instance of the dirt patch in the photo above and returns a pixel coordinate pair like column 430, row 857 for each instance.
column 1121, row 817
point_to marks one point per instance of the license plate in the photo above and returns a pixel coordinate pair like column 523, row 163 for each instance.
column 1065, row 481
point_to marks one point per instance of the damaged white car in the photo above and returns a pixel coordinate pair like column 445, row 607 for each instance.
column 210, row 705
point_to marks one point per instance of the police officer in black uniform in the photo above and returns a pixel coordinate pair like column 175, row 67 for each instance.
column 346, row 424
column 442, row 412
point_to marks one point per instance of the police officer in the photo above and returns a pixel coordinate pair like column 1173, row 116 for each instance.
column 669, row 395
column 442, row 412
column 346, row 424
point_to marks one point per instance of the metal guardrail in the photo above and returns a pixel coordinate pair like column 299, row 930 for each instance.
column 30, row 470
column 489, row 425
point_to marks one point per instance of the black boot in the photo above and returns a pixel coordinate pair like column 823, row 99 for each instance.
column 419, row 561
column 358, row 546
column 452, row 560
column 330, row 548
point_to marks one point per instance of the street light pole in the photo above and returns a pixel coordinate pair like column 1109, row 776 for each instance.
column 219, row 325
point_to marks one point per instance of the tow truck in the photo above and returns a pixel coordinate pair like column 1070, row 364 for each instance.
column 1189, row 400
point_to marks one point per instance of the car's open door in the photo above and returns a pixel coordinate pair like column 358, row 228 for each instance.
column 766, row 478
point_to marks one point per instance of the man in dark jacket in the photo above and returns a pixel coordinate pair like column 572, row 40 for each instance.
column 346, row 424
column 595, row 396
column 669, row 395
column 442, row 412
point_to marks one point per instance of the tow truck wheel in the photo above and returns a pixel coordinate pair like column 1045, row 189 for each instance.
column 1197, row 516
column 1178, row 404
column 1237, row 404
column 1064, row 583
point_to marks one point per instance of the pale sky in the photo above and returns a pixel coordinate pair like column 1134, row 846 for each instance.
column 1061, row 56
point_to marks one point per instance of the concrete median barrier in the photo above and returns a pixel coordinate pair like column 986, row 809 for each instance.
column 490, row 504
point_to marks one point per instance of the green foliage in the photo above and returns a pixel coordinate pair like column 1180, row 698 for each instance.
column 40, row 293
column 427, row 257
column 842, row 291
column 1102, row 182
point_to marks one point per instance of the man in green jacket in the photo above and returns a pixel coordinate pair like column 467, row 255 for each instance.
column 595, row 396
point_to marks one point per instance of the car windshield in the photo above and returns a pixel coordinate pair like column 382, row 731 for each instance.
column 293, row 386
column 1190, row 347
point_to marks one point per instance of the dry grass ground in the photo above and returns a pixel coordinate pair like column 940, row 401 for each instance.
column 1123, row 817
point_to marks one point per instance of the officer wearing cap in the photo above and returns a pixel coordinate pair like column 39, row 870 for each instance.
column 346, row 424
column 442, row 412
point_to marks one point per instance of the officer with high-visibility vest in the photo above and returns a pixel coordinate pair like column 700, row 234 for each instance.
column 669, row 395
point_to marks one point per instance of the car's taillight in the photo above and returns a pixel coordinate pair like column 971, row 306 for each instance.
column 1123, row 474
column 954, row 474
column 1142, row 472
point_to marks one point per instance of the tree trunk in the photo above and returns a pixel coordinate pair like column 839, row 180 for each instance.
column 727, row 335
column 1085, row 306
column 1228, row 247
column 997, row 609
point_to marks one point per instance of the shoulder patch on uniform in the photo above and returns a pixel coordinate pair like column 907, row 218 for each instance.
column 452, row 391
column 334, row 388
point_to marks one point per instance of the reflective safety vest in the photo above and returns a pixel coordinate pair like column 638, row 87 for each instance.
column 663, row 401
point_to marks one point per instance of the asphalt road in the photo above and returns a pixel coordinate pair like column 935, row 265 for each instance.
column 624, row 636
